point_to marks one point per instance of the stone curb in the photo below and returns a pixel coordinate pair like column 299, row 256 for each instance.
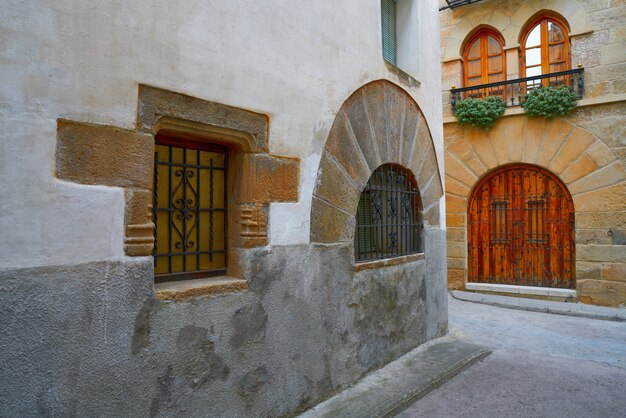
column 395, row 387
column 535, row 305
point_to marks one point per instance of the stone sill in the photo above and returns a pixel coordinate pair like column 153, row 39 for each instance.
column 194, row 288
column 387, row 262
column 402, row 75
column 521, row 290
column 595, row 101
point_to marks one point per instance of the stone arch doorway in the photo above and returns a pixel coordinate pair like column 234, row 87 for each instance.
column 520, row 226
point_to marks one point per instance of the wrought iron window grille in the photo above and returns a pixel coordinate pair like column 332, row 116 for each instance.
column 537, row 211
column 499, row 221
column 453, row 4
column 388, row 222
column 189, row 210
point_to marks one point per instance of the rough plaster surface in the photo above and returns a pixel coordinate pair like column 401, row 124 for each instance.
column 84, row 62
column 91, row 340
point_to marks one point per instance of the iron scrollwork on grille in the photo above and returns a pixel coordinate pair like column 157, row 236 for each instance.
column 185, row 194
column 388, row 221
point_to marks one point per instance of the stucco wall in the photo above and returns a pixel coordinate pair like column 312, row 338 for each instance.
column 295, row 62
column 91, row 340
column 82, row 330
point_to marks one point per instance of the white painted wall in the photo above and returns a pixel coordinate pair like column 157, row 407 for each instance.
column 407, row 32
column 294, row 60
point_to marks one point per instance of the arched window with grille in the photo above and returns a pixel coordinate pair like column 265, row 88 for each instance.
column 545, row 47
column 388, row 219
column 484, row 58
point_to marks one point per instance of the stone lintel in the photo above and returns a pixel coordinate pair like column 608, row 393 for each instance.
column 155, row 102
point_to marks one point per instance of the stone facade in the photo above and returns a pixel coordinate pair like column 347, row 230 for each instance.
column 305, row 119
column 585, row 150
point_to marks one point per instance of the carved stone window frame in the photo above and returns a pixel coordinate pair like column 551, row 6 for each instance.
column 112, row 156
column 255, row 178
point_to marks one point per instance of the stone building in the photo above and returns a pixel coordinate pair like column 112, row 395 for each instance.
column 222, row 208
column 537, row 206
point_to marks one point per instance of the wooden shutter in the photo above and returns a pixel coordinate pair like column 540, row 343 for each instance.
column 484, row 59
column 388, row 15
column 545, row 48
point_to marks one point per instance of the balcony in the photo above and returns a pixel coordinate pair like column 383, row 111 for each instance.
column 453, row 4
column 513, row 92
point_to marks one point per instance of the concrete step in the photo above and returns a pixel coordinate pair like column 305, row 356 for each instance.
column 536, row 305
column 399, row 384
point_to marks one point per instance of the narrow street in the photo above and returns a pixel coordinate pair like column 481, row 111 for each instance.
column 542, row 365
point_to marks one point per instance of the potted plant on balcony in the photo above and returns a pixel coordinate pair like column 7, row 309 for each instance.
column 480, row 113
column 550, row 102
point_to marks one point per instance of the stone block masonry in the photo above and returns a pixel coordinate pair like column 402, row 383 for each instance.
column 590, row 169
column 98, row 154
column 584, row 150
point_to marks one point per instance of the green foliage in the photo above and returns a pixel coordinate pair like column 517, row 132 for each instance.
column 479, row 113
column 550, row 102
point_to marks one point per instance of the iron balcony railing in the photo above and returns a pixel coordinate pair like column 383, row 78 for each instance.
column 453, row 4
column 513, row 92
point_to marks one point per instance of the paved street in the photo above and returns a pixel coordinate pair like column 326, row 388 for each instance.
column 542, row 365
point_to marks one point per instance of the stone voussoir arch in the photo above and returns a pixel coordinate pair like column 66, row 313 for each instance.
column 580, row 160
column 379, row 123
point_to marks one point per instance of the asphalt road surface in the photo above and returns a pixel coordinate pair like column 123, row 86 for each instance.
column 542, row 365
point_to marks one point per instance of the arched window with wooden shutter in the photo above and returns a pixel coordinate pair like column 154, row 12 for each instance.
column 545, row 47
column 484, row 58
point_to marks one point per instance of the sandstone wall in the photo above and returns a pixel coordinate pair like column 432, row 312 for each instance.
column 587, row 165
column 586, row 150
column 596, row 31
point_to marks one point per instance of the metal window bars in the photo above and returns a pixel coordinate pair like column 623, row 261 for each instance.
column 513, row 92
column 537, row 216
column 453, row 4
column 500, row 220
column 189, row 211
column 388, row 222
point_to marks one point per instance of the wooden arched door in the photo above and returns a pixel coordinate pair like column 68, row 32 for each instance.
column 521, row 229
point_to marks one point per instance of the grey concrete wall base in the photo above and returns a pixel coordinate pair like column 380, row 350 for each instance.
column 546, row 306
column 92, row 339
column 396, row 386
